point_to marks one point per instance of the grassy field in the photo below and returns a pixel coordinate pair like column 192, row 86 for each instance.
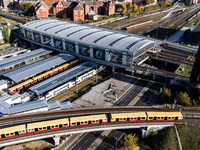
column 167, row 139
column 3, row 21
column 186, row 71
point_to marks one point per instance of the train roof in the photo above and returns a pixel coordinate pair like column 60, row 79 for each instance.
column 134, row 114
column 62, row 77
column 88, row 35
column 88, row 117
column 163, row 114
column 12, row 129
column 47, row 123
column 30, row 70
column 8, row 62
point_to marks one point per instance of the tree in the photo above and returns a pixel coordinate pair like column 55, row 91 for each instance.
column 6, row 34
column 135, row 8
column 129, row 142
column 183, row 99
column 27, row 8
column 167, row 95
column 129, row 6
column 124, row 9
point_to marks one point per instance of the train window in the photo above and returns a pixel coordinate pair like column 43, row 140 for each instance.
column 82, row 122
column 158, row 117
column 162, row 117
column 7, row 134
column 52, row 126
column 30, row 129
column 93, row 121
column 44, row 127
column 65, row 124
column 40, row 128
column 150, row 117
column 143, row 118
column 85, row 121
column 120, row 118
column 11, row 133
column 135, row 118
column 73, row 123
column 172, row 117
column 56, row 125
column 124, row 119
column 169, row 118
column 97, row 120
column 131, row 118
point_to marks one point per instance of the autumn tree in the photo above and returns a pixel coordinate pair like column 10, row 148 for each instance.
column 6, row 34
column 183, row 99
column 167, row 95
column 135, row 8
column 129, row 6
column 27, row 8
column 119, row 6
column 124, row 9
column 129, row 142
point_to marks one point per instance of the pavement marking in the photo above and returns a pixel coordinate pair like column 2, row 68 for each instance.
column 139, row 95
column 98, row 141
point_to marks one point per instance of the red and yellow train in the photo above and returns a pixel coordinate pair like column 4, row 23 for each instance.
column 88, row 120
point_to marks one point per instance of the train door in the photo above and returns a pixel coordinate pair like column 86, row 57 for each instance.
column 100, row 121
column 89, row 122
column 128, row 119
column 16, row 133
column 138, row 119
column 176, row 118
column 78, row 123
column 117, row 119
column 165, row 118
column 154, row 118
column 36, row 129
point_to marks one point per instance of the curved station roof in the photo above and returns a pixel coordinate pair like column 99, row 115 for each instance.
column 89, row 35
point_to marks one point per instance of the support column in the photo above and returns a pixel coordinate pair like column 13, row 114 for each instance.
column 91, row 52
column 32, row 36
column 144, row 132
column 124, row 58
column 77, row 48
column 52, row 41
column 154, row 76
column 56, row 139
column 107, row 54
column 64, row 47
column 41, row 36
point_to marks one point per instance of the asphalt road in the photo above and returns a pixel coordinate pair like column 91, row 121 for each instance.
column 151, row 96
column 111, row 141
column 132, row 93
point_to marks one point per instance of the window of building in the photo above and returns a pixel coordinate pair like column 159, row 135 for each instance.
column 84, row 51
column 99, row 54
column 28, row 34
column 58, row 44
column 70, row 47
column 115, row 57
column 47, row 40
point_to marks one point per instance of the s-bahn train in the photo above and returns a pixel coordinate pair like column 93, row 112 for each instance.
column 88, row 120
column 42, row 76
column 71, row 84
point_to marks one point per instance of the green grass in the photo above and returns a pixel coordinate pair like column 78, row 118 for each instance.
column 189, row 136
column 167, row 139
column 186, row 71
column 164, row 140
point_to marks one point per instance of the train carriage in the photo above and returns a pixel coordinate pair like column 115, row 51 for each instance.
column 27, row 83
column 12, row 131
column 124, row 117
column 47, row 125
column 87, row 120
column 164, row 116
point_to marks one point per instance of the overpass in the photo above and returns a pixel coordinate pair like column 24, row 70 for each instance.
column 146, row 128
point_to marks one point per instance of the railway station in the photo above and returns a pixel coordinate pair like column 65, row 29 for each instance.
column 62, row 78
column 36, row 68
column 99, row 45
column 19, row 60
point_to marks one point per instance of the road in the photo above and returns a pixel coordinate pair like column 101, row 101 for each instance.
column 150, row 97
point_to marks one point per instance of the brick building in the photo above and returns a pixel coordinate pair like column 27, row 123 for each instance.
column 72, row 10
column 60, row 9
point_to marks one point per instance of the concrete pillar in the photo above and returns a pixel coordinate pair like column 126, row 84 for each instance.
column 64, row 47
column 107, row 54
column 32, row 36
column 52, row 41
column 56, row 140
column 77, row 48
column 91, row 52
column 154, row 76
column 144, row 132
column 41, row 36
column 124, row 58
column 166, row 64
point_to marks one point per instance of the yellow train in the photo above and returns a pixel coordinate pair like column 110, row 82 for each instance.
column 42, row 76
column 65, row 122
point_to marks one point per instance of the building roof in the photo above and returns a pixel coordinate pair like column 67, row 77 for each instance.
column 79, row 7
column 2, row 82
column 8, row 62
column 90, row 35
column 65, row 105
column 38, row 67
column 53, row 105
column 62, row 77
column 5, row 97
